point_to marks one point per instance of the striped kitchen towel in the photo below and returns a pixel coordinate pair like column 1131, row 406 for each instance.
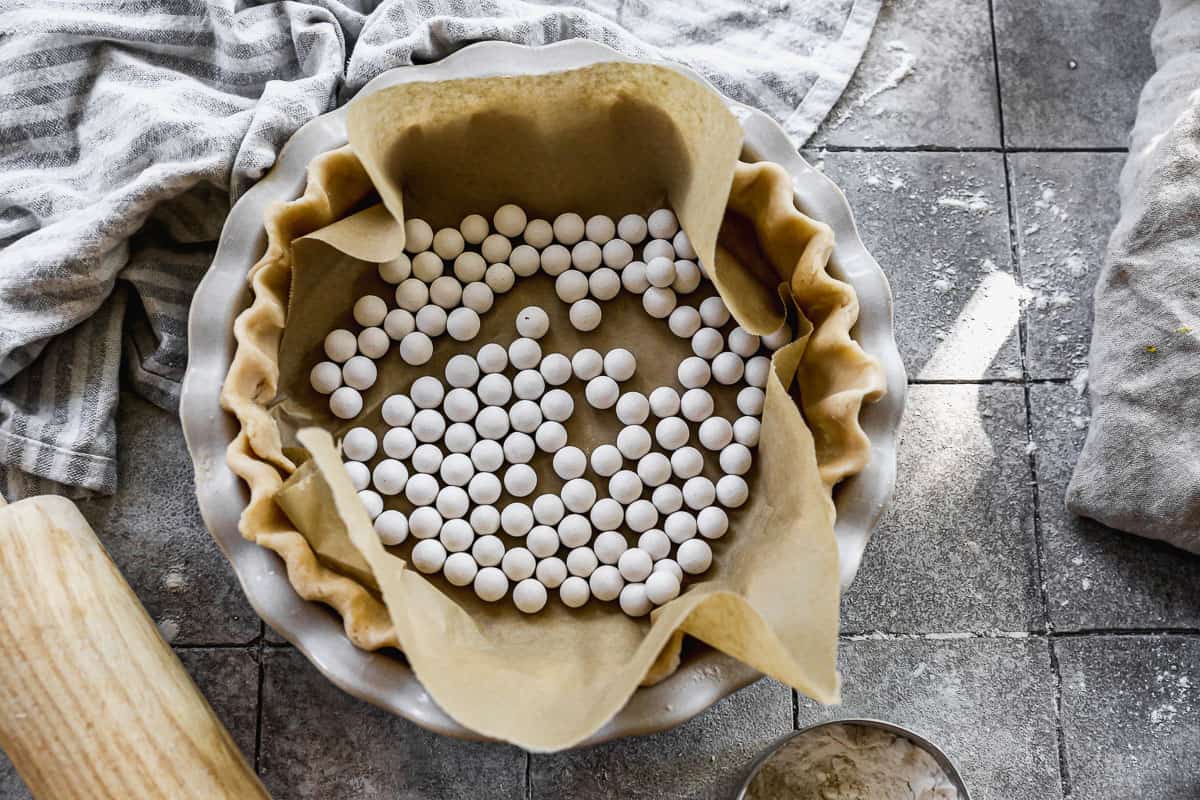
column 128, row 128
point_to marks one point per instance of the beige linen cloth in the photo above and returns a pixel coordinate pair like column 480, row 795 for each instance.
column 611, row 138
column 1139, row 470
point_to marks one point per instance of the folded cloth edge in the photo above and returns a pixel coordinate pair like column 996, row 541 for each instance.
column 1137, row 471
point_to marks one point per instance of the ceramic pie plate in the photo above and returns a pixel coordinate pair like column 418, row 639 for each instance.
column 705, row 675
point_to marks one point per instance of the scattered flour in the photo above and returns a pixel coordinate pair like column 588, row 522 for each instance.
column 903, row 69
column 169, row 628
column 1163, row 715
column 1076, row 266
column 1080, row 382
column 1057, row 258
column 1175, row 690
column 1047, row 203
column 1061, row 298
column 905, row 65
column 1043, row 298
column 975, row 203
column 883, row 175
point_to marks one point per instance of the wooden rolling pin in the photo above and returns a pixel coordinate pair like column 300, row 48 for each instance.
column 93, row 703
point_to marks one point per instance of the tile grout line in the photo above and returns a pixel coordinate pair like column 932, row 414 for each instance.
column 528, row 775
column 1056, row 675
column 1026, row 382
column 1023, row 337
column 937, row 148
column 1098, row 632
column 1031, row 456
column 1084, row 633
column 1035, row 491
column 988, row 381
column 258, row 716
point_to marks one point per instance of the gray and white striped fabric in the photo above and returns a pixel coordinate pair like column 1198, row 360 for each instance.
column 128, row 128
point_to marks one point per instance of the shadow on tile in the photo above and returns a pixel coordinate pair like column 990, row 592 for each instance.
column 1131, row 716
column 703, row 758
column 152, row 529
column 938, row 225
column 228, row 678
column 988, row 703
column 1066, row 207
column 1070, row 73
column 318, row 741
column 11, row 785
column 229, row 681
column 1097, row 577
column 955, row 550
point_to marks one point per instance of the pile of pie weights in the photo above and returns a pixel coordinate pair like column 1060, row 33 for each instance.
column 453, row 448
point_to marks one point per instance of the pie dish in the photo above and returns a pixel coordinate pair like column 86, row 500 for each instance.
column 842, row 447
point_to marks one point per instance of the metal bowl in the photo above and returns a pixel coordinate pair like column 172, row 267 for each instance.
column 929, row 747
column 705, row 676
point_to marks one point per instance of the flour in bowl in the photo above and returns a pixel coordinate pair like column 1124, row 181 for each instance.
column 851, row 762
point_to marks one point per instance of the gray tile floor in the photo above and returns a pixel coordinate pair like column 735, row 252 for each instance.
column 1052, row 657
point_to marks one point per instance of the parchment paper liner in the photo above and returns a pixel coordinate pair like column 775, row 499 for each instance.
column 546, row 682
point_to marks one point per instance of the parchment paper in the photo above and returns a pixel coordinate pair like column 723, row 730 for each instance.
column 609, row 139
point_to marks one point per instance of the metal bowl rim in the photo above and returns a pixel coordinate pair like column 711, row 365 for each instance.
column 939, row 755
